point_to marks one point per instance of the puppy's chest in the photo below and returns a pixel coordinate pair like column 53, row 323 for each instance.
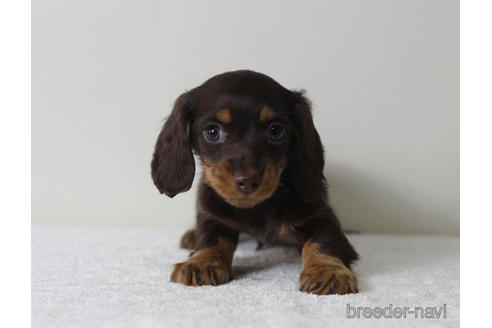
column 270, row 232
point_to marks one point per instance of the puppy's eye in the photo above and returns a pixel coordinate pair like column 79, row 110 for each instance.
column 213, row 133
column 276, row 132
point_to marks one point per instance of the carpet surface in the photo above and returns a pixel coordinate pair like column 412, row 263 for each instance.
column 101, row 277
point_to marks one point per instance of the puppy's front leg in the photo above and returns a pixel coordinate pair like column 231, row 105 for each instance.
column 324, row 274
column 211, row 262
column 326, row 256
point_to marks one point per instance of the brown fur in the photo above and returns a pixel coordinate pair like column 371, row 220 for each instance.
column 324, row 274
column 211, row 266
column 188, row 241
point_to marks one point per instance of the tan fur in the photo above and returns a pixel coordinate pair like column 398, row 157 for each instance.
column 285, row 228
column 222, row 181
column 266, row 114
column 211, row 266
column 188, row 241
column 224, row 115
column 324, row 274
column 188, row 129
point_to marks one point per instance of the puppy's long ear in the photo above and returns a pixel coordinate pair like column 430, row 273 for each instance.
column 173, row 166
column 308, row 154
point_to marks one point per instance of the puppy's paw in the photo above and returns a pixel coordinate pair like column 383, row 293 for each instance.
column 188, row 240
column 323, row 279
column 198, row 273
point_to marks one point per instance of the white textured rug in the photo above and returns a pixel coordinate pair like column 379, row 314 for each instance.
column 94, row 277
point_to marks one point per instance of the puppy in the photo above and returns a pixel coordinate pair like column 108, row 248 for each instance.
column 262, row 162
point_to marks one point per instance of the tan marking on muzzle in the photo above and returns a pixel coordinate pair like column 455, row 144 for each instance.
column 221, row 179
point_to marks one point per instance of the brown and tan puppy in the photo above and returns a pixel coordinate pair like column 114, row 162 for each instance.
column 262, row 164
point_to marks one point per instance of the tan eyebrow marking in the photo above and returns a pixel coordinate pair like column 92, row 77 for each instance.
column 224, row 115
column 266, row 114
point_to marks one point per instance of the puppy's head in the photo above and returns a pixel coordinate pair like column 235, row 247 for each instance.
column 251, row 135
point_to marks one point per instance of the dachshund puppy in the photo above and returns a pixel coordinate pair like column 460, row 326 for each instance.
column 262, row 162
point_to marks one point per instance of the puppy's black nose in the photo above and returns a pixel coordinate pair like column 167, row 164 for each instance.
column 248, row 184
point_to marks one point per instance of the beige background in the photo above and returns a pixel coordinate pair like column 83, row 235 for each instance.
column 383, row 77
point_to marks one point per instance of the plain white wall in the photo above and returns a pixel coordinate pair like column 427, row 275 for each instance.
column 383, row 77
